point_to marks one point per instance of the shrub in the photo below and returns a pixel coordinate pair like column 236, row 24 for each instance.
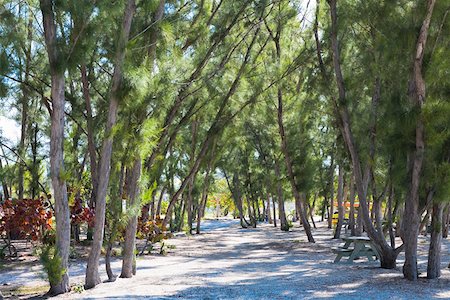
column 52, row 264
column 25, row 218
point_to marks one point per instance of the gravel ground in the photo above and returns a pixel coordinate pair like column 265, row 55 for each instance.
column 263, row 263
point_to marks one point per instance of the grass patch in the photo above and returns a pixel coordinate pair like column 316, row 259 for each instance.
column 24, row 290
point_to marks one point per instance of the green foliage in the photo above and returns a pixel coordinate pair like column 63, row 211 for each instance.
column 52, row 263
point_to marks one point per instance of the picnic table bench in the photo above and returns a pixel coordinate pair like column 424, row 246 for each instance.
column 362, row 246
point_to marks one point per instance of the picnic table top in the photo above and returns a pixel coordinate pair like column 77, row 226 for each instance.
column 356, row 238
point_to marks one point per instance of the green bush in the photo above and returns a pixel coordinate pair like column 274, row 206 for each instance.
column 52, row 262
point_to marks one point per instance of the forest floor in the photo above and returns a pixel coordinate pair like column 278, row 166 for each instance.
column 227, row 262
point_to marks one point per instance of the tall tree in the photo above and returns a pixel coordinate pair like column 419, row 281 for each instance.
column 411, row 218
column 92, row 275
column 56, row 62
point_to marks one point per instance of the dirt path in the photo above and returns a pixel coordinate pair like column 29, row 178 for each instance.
column 263, row 263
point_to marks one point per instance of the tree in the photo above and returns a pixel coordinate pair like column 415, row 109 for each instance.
column 92, row 276
column 417, row 94
column 56, row 145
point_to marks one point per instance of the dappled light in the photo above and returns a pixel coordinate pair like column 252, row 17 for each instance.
column 224, row 149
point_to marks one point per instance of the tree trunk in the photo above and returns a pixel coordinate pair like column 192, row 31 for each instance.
column 291, row 176
column 35, row 164
column 311, row 210
column 92, row 276
column 390, row 217
column 204, row 199
column 417, row 95
column 434, row 253
column 274, row 212
column 281, row 212
column 340, row 198
column 351, row 217
column 91, row 143
column 62, row 212
column 190, row 203
column 117, row 210
column 156, row 210
column 445, row 222
column 237, row 196
column 25, row 106
column 4, row 184
column 268, row 210
column 331, row 211
column 342, row 113
column 129, row 256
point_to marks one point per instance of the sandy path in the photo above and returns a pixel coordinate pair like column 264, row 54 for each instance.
column 263, row 263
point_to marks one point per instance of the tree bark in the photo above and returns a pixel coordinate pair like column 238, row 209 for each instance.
column 204, row 199
column 331, row 211
column 25, row 106
column 190, row 202
column 274, row 212
column 340, row 198
column 92, row 276
column 4, row 184
column 351, row 217
column 62, row 212
column 411, row 220
column 268, row 211
column 434, row 253
column 281, row 211
column 129, row 256
column 91, row 143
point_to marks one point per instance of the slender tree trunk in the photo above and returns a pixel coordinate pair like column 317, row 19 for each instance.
column 25, row 106
column 311, row 210
column 62, row 212
column 288, row 161
column 351, row 217
column 281, row 212
column 158, row 207
column 268, row 211
column 35, row 164
column 390, row 217
column 340, row 198
column 4, row 184
column 434, row 253
column 284, row 142
column 129, row 256
column 114, row 226
column 192, row 180
column 237, row 196
column 202, row 206
column 274, row 212
column 417, row 95
column 331, row 211
column 204, row 199
column 250, row 213
column 91, row 143
column 92, row 275
column 423, row 227
column 387, row 254
column 445, row 222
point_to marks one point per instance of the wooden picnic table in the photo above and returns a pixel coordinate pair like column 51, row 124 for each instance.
column 361, row 246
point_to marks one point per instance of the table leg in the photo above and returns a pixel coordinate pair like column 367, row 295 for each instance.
column 347, row 244
column 355, row 253
column 374, row 249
